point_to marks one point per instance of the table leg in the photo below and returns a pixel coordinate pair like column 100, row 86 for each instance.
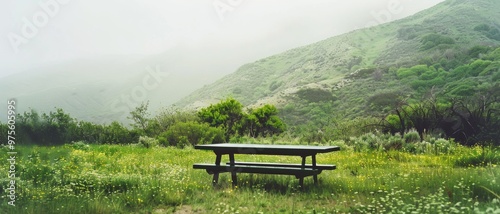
column 233, row 171
column 315, row 176
column 216, row 174
column 301, row 180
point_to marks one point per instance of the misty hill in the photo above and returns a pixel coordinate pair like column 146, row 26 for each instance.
column 321, row 71
column 97, row 90
column 106, row 89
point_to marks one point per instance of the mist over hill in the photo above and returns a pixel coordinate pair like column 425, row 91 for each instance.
column 446, row 29
column 106, row 87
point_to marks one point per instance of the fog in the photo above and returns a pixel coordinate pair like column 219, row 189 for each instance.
column 98, row 60
column 231, row 31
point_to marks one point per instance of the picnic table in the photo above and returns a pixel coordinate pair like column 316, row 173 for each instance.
column 299, row 170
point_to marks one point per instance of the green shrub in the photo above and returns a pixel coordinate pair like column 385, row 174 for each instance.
column 416, row 70
column 432, row 40
column 342, row 144
column 482, row 27
column 80, row 145
column 359, row 145
column 384, row 99
column 315, row 95
column 480, row 156
column 443, row 146
column 393, row 143
column 496, row 76
column 463, row 90
column 275, row 85
column 478, row 66
column 148, row 142
column 411, row 137
column 191, row 133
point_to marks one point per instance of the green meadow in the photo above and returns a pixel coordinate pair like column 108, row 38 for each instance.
column 81, row 178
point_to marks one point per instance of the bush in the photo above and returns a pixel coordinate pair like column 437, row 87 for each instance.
column 190, row 133
column 479, row 156
column 116, row 133
column 393, row 143
column 315, row 95
column 416, row 70
column 80, row 145
column 342, row 144
column 443, row 146
column 358, row 145
column 412, row 137
column 148, row 142
column 432, row 40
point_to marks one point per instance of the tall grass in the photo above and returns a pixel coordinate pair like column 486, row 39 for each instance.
column 124, row 179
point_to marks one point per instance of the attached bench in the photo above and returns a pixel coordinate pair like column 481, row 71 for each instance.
column 278, row 170
column 298, row 170
column 319, row 167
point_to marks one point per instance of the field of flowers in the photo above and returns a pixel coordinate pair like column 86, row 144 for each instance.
column 79, row 178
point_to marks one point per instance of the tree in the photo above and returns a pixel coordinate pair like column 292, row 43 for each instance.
column 475, row 120
column 142, row 121
column 227, row 115
column 170, row 116
column 116, row 133
column 53, row 128
column 263, row 121
column 424, row 116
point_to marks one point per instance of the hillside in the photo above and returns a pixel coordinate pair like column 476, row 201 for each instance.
column 323, row 69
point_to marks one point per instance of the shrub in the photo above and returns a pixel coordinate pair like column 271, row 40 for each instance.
column 80, row 145
column 478, row 66
column 384, row 99
column 191, row 133
column 479, row 156
column 358, row 145
column 148, row 142
column 432, row 40
column 443, row 146
column 412, row 137
column 315, row 95
column 116, row 133
column 416, row 70
column 342, row 144
column 393, row 143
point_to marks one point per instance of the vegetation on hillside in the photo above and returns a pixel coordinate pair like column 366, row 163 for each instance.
column 460, row 91
column 443, row 32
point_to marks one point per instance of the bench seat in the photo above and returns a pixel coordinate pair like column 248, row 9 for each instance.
column 318, row 166
column 259, row 169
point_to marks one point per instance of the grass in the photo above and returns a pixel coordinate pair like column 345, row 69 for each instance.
column 131, row 179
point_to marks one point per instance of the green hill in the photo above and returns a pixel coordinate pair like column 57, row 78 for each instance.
column 355, row 74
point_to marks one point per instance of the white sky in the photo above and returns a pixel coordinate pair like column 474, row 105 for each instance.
column 249, row 30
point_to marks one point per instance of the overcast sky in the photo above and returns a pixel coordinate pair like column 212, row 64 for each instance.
column 34, row 33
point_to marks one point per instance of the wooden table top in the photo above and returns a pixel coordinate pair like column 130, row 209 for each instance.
column 237, row 148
